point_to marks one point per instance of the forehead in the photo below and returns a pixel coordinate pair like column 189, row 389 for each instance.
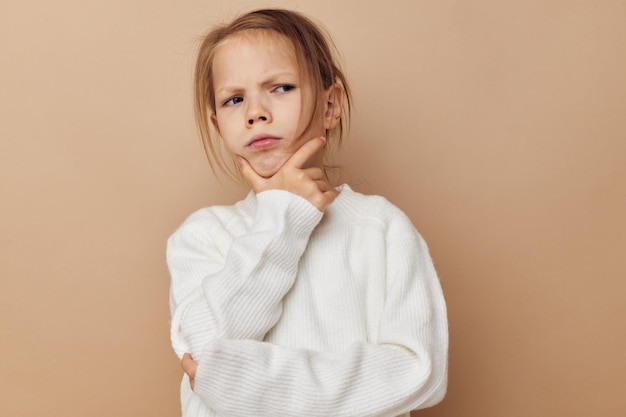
column 261, row 37
column 254, row 50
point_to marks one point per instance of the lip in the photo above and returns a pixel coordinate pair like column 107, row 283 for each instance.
column 262, row 141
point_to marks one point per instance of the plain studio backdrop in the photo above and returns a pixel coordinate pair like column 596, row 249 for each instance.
column 499, row 127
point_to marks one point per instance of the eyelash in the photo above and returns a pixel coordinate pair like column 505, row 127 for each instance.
column 239, row 99
column 288, row 86
column 231, row 99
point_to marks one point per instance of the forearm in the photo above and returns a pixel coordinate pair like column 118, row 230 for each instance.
column 403, row 367
column 260, row 267
column 249, row 378
column 239, row 294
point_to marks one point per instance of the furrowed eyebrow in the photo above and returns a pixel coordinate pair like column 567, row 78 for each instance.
column 278, row 78
column 274, row 78
column 228, row 91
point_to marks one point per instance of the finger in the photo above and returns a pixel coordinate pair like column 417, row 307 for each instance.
column 249, row 174
column 306, row 152
column 189, row 365
column 184, row 362
column 324, row 199
column 324, row 186
column 314, row 173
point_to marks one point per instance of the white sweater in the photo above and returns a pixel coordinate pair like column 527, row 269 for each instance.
column 293, row 312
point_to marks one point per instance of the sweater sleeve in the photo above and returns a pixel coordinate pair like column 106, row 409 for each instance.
column 404, row 369
column 235, row 293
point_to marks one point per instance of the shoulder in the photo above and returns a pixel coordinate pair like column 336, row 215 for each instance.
column 376, row 211
column 371, row 208
column 208, row 223
column 405, row 245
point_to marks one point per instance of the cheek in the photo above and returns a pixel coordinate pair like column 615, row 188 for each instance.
column 309, row 129
column 303, row 124
column 227, row 134
column 227, row 144
column 229, row 149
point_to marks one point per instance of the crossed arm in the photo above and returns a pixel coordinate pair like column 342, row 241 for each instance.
column 246, row 294
column 237, row 374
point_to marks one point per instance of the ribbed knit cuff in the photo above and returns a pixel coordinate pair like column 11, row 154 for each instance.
column 282, row 208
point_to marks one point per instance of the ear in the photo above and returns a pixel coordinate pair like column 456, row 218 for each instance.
column 214, row 123
column 334, row 105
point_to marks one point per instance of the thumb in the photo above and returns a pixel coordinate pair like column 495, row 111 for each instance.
column 249, row 175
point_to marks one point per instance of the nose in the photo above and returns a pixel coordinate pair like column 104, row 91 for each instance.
column 257, row 119
column 257, row 113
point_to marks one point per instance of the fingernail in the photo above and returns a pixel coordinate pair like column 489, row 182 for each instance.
column 323, row 139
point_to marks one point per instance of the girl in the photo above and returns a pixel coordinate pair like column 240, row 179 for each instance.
column 305, row 298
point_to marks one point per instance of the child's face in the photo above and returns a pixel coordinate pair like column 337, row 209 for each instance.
column 262, row 104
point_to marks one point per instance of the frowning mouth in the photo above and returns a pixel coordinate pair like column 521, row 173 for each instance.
column 262, row 141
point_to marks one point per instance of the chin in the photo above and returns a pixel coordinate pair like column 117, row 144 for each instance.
column 267, row 169
column 266, row 173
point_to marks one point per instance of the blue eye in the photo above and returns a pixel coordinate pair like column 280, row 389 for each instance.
column 284, row 88
column 233, row 101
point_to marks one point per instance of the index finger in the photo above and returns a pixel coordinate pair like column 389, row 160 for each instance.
column 306, row 152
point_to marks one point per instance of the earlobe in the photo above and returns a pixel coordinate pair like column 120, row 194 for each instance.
column 334, row 106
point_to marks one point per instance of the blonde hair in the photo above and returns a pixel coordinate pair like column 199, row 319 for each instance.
column 316, row 55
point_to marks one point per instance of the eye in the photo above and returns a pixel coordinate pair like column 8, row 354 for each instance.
column 233, row 101
column 284, row 88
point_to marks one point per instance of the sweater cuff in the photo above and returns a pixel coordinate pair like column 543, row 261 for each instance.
column 282, row 209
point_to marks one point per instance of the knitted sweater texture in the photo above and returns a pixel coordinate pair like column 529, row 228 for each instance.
column 293, row 312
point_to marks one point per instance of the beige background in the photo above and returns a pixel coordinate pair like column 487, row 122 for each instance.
column 498, row 126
